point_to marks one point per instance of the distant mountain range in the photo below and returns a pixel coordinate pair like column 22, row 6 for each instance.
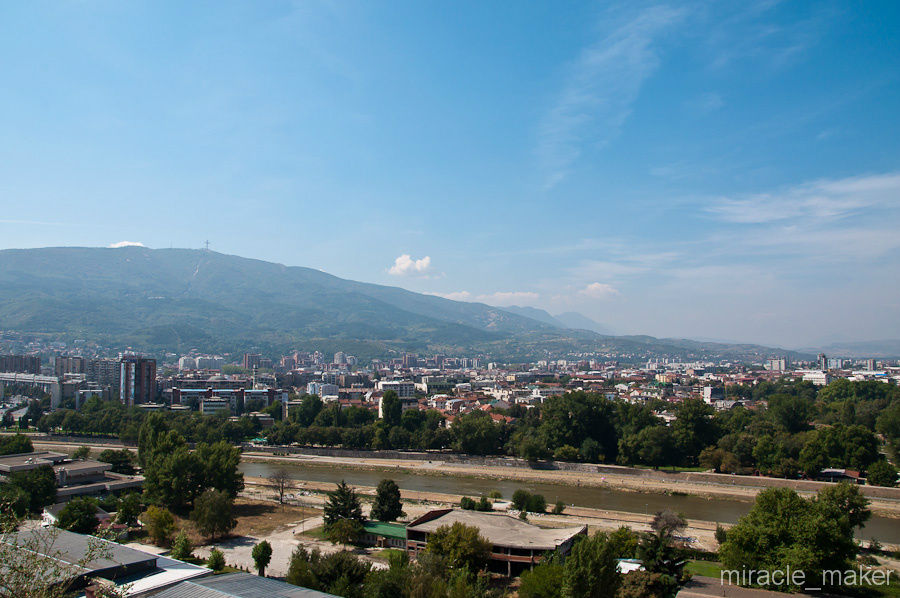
column 888, row 348
column 570, row 319
column 182, row 299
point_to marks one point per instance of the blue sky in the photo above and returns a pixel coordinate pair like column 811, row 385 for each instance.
column 718, row 170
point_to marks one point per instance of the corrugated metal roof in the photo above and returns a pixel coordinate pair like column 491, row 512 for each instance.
column 239, row 585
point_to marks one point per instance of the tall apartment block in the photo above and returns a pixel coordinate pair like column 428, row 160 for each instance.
column 251, row 361
column 104, row 372
column 68, row 365
column 137, row 380
column 23, row 364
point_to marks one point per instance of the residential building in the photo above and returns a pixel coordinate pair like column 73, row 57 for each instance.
column 137, row 380
column 322, row 389
column 104, row 372
column 68, row 365
column 215, row 405
column 251, row 361
column 25, row 364
column 403, row 388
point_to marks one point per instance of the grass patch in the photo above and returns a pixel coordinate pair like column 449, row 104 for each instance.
column 317, row 532
column 704, row 568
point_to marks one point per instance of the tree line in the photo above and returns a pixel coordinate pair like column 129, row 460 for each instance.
column 796, row 429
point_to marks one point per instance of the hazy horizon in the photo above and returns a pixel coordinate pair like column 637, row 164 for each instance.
column 678, row 170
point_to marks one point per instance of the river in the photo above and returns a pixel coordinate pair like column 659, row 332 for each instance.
column 721, row 510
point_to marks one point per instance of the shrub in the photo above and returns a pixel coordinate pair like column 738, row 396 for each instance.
column 182, row 549
column 216, row 560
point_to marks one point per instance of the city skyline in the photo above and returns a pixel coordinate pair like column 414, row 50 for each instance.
column 688, row 170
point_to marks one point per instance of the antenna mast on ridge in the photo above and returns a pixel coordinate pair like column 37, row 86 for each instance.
column 206, row 244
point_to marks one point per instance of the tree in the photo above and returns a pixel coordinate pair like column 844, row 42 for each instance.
column 182, row 549
column 82, row 452
column 694, row 428
column 536, row 503
column 644, row 584
column 387, row 505
column 784, row 530
column 173, row 479
column 340, row 573
column 128, row 509
column 657, row 548
column 543, row 580
column 122, row 460
column 721, row 534
column 590, row 451
column 262, row 555
column 391, row 409
column 160, row 524
column 219, row 463
column 591, row 570
column 790, row 412
column 520, row 499
column 656, row 446
column 342, row 503
column 216, row 560
column 79, row 515
column 15, row 444
column 484, row 504
column 344, row 531
column 213, row 513
column 38, row 484
column 882, row 473
column 281, row 481
column 461, row 545
column 624, row 542
column 845, row 501
column 559, row 507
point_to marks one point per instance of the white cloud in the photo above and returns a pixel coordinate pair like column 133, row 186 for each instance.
column 600, row 88
column 455, row 295
column 818, row 200
column 126, row 244
column 407, row 266
column 598, row 290
column 505, row 298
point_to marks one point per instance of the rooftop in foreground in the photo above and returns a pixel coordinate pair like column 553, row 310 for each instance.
column 499, row 529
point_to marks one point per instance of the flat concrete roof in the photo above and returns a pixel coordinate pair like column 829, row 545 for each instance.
column 499, row 529
column 26, row 461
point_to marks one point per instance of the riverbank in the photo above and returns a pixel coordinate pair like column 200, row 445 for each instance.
column 708, row 486
column 736, row 490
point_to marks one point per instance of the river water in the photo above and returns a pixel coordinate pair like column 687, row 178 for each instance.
column 722, row 510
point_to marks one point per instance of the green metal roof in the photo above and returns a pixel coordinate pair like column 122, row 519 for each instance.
column 389, row 530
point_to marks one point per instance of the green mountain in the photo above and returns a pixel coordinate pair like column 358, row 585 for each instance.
column 179, row 299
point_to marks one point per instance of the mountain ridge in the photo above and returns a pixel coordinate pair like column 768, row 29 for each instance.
column 177, row 299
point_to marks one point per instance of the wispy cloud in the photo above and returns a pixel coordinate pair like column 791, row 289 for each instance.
column 121, row 244
column 818, row 200
column 405, row 265
column 600, row 88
